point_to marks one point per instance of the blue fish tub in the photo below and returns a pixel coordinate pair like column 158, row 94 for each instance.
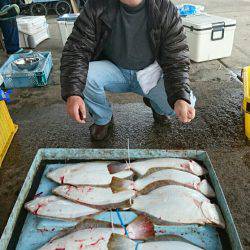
column 25, row 231
column 15, row 77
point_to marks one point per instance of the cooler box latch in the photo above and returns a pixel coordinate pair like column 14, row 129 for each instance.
column 218, row 31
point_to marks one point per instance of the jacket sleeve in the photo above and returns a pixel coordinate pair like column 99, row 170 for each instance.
column 77, row 54
column 174, row 56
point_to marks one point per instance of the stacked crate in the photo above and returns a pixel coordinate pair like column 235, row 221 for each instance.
column 7, row 130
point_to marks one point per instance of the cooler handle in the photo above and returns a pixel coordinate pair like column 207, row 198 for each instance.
column 218, row 27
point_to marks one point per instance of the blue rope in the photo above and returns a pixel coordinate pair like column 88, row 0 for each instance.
column 121, row 221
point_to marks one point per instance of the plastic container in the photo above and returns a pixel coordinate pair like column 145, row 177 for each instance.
column 66, row 24
column 25, row 231
column 246, row 101
column 31, row 41
column 209, row 37
column 31, row 24
column 7, row 130
column 32, row 30
column 15, row 78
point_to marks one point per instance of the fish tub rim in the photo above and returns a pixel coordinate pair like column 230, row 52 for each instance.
column 64, row 154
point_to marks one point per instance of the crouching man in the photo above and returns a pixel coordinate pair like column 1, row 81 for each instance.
column 126, row 46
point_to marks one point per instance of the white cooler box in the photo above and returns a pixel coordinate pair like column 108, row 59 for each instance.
column 32, row 30
column 66, row 24
column 209, row 37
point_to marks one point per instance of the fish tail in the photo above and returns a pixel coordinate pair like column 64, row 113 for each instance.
column 115, row 167
column 118, row 185
column 119, row 242
column 141, row 228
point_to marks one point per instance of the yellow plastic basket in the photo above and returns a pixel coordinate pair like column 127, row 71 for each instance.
column 7, row 130
column 246, row 101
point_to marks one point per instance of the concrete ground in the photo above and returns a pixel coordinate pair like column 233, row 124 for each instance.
column 218, row 127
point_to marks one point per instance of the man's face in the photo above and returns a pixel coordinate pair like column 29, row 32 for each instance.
column 132, row 3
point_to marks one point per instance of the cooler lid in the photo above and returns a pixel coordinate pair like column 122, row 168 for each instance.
column 205, row 21
column 68, row 17
column 30, row 20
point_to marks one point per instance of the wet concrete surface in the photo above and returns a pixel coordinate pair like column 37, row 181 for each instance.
column 218, row 129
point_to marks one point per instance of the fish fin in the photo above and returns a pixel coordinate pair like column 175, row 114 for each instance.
column 141, row 228
column 118, row 185
column 213, row 214
column 94, row 223
column 205, row 188
column 85, row 223
column 63, row 233
column 120, row 242
column 115, row 167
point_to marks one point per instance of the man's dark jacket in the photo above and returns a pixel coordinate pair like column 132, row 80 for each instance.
column 93, row 27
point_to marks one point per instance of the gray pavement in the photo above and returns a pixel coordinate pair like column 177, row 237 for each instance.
column 218, row 128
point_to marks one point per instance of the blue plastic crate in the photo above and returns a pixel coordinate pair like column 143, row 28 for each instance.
column 25, row 231
column 14, row 78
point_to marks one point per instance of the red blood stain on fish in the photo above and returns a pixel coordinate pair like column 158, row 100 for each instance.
column 62, row 179
column 38, row 207
column 89, row 189
column 162, row 231
column 132, row 186
column 60, row 248
column 82, row 246
column 196, row 186
column 37, row 195
column 191, row 185
column 186, row 166
column 69, row 188
column 95, row 243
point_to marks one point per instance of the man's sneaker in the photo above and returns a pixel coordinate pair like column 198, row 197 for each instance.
column 9, row 11
column 157, row 117
column 100, row 132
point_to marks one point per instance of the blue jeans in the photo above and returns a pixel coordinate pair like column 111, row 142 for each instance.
column 10, row 31
column 106, row 76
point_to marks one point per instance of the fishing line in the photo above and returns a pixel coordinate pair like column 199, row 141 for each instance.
column 130, row 200
column 121, row 221
column 128, row 154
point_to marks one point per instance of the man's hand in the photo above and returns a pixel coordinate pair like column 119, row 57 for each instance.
column 76, row 108
column 184, row 111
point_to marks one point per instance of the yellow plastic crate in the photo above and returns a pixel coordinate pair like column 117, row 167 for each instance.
column 246, row 101
column 7, row 130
